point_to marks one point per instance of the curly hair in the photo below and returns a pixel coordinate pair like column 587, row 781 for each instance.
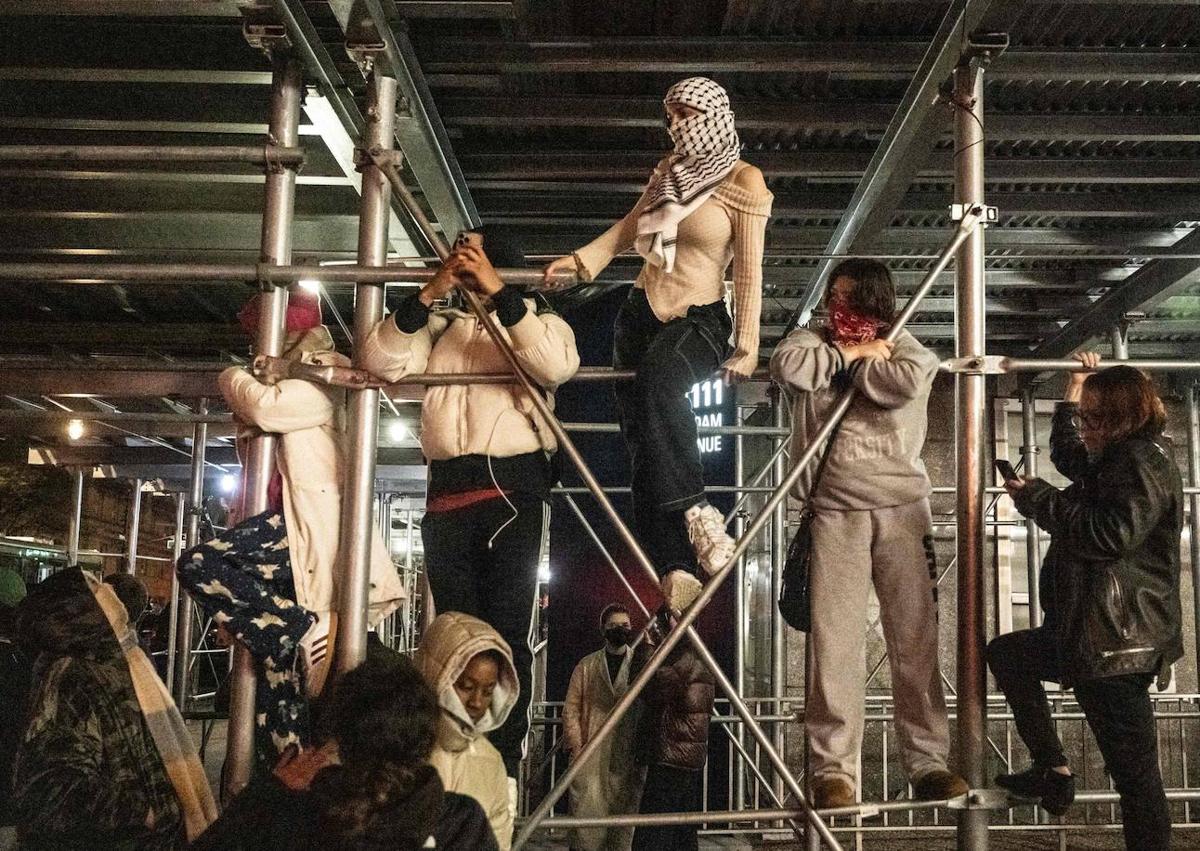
column 1125, row 403
column 384, row 718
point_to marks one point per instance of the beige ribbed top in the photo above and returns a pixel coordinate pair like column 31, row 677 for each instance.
column 730, row 225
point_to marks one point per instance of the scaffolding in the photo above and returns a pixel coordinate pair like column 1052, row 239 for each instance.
column 281, row 157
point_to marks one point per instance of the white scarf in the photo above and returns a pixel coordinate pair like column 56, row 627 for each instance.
column 706, row 150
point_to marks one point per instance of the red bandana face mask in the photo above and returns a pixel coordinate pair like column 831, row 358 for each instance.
column 849, row 327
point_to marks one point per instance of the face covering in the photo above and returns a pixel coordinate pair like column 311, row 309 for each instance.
column 618, row 636
column 849, row 327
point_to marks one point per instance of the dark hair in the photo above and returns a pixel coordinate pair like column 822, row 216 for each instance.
column 493, row 655
column 610, row 610
column 384, row 718
column 132, row 593
column 501, row 246
column 1127, row 403
column 874, row 294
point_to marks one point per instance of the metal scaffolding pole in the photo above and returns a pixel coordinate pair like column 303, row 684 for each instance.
column 75, row 520
column 1119, row 338
column 684, row 626
column 387, row 627
column 1193, row 446
column 741, row 620
column 133, row 526
column 778, row 556
column 970, row 401
column 279, row 200
column 1033, row 540
column 270, row 155
column 357, row 524
column 173, row 611
column 185, row 617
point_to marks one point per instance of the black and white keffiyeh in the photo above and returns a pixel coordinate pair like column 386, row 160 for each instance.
column 706, row 149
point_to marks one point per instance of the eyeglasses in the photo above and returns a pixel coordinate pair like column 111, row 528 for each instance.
column 1090, row 421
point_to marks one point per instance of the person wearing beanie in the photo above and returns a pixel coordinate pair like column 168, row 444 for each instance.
column 489, row 450
column 251, row 578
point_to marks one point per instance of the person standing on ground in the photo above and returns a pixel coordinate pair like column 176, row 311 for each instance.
column 872, row 526
column 1110, row 592
column 611, row 781
column 702, row 208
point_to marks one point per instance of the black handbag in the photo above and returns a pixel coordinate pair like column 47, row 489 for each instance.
column 795, row 594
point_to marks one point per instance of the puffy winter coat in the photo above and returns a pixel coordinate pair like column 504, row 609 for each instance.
column 676, row 710
column 311, row 460
column 88, row 776
column 1110, row 582
column 477, row 419
column 466, row 761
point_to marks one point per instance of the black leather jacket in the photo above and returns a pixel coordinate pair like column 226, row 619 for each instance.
column 1110, row 581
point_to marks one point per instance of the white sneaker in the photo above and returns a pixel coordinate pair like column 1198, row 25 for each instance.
column 316, row 653
column 681, row 590
column 706, row 531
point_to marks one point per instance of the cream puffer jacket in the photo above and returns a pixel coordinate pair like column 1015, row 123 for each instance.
column 477, row 419
column 310, row 456
column 465, row 760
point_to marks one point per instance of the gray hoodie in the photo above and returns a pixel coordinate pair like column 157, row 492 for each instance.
column 876, row 461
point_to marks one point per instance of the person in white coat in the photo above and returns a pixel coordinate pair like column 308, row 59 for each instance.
column 310, row 461
column 611, row 780
column 489, row 451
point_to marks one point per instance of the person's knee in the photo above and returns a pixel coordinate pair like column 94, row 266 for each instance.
column 1001, row 654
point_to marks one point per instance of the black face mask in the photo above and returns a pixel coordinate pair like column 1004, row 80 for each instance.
column 618, row 636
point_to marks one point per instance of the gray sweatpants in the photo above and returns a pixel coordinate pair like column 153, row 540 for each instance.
column 886, row 546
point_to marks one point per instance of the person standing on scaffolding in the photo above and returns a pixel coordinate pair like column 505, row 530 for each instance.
column 489, row 451
column 872, row 526
column 702, row 208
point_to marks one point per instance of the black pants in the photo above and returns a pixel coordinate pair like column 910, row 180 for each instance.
column 657, row 421
column 1118, row 710
column 497, row 584
column 669, row 790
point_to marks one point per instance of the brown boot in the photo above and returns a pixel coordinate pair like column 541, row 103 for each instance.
column 831, row 793
column 939, row 785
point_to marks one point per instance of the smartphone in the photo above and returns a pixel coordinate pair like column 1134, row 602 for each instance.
column 468, row 237
column 1005, row 469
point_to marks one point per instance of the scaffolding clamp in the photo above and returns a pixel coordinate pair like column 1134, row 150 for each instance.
column 378, row 157
column 981, row 365
column 268, row 37
column 990, row 214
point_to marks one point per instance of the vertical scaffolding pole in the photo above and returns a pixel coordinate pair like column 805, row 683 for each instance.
column 133, row 526
column 778, row 556
column 740, row 619
column 970, row 402
column 387, row 627
column 279, row 200
column 1033, row 541
column 375, row 207
column 185, row 617
column 75, row 521
column 1119, row 336
column 173, row 612
column 1193, row 445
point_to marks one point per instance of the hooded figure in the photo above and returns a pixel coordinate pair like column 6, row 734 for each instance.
column 310, row 458
column 105, row 761
column 466, row 761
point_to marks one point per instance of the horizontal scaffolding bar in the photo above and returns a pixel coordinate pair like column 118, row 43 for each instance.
column 273, row 155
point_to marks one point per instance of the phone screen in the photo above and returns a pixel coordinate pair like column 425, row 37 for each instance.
column 1005, row 469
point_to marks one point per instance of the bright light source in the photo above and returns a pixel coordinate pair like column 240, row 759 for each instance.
column 397, row 431
column 228, row 483
column 75, row 429
column 310, row 285
column 544, row 572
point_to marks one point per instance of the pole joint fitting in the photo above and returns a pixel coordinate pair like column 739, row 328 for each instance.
column 263, row 278
column 268, row 36
column 1030, row 450
column 988, row 214
column 981, row 365
column 381, row 158
column 364, row 54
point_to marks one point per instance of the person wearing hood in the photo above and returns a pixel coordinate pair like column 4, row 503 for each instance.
column 251, row 577
column 611, row 781
column 470, row 669
column 489, row 451
column 105, row 761
column 368, row 787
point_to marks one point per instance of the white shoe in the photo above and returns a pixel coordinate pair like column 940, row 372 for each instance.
column 681, row 590
column 706, row 531
column 316, row 653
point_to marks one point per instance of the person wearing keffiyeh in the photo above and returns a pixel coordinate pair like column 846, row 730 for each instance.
column 872, row 525
column 702, row 208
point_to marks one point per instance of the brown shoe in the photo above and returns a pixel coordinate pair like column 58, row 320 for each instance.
column 939, row 785
column 831, row 793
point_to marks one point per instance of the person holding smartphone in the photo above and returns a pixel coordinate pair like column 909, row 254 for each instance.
column 489, row 450
column 1110, row 592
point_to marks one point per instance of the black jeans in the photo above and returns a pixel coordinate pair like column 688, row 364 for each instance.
column 1118, row 710
column 669, row 790
column 497, row 584
column 657, row 420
